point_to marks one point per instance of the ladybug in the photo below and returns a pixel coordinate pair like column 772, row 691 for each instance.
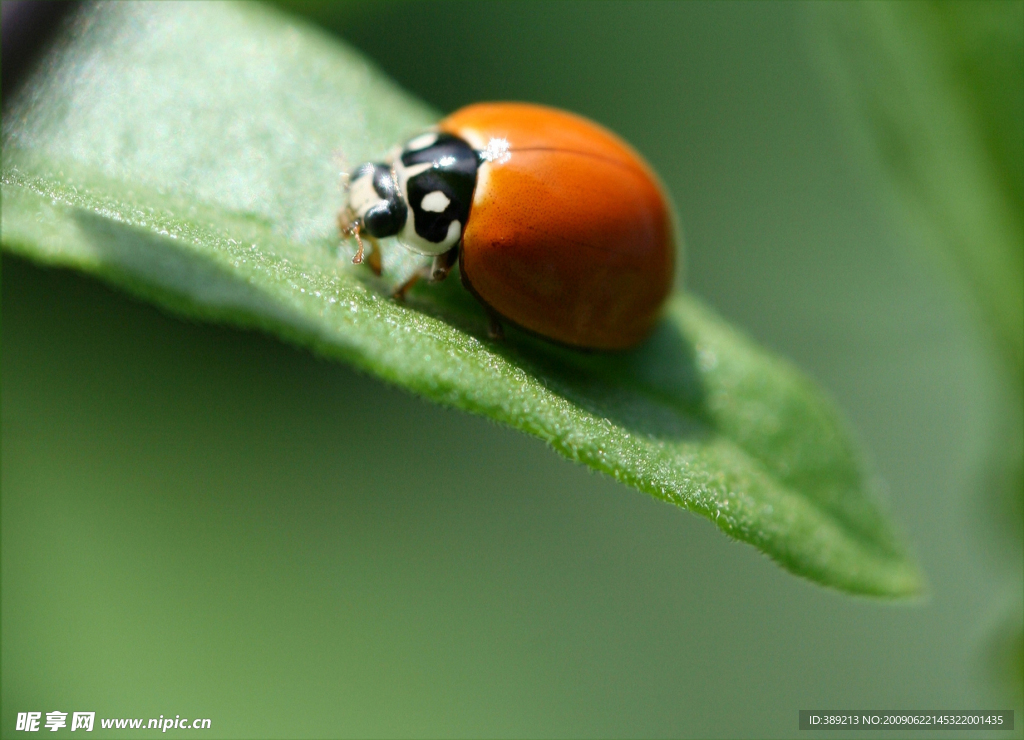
column 557, row 224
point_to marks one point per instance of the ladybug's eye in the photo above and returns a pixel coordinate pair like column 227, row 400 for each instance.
column 375, row 199
column 386, row 218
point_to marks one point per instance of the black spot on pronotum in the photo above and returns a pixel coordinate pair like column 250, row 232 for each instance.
column 452, row 172
column 448, row 152
column 432, row 225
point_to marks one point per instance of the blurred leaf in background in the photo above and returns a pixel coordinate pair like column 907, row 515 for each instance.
column 937, row 90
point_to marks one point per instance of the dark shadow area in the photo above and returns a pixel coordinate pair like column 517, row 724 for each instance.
column 27, row 26
column 653, row 389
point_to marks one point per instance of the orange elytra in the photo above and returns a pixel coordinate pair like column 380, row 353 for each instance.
column 558, row 225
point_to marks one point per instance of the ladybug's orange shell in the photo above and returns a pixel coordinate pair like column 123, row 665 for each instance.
column 569, row 234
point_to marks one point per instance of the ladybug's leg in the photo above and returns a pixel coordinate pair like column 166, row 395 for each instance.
column 494, row 328
column 401, row 290
column 374, row 260
column 436, row 272
column 443, row 264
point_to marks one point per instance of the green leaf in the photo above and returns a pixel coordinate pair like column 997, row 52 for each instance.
column 188, row 152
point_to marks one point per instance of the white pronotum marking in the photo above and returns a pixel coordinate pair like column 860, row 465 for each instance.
column 475, row 139
column 407, row 173
column 418, row 244
column 421, row 142
column 454, row 232
column 435, row 202
column 403, row 174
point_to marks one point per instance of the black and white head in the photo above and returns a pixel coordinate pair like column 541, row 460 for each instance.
column 422, row 196
column 374, row 202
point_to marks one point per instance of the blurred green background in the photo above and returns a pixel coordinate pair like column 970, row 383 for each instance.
column 205, row 522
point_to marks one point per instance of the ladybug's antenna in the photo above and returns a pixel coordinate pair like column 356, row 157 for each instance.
column 354, row 231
